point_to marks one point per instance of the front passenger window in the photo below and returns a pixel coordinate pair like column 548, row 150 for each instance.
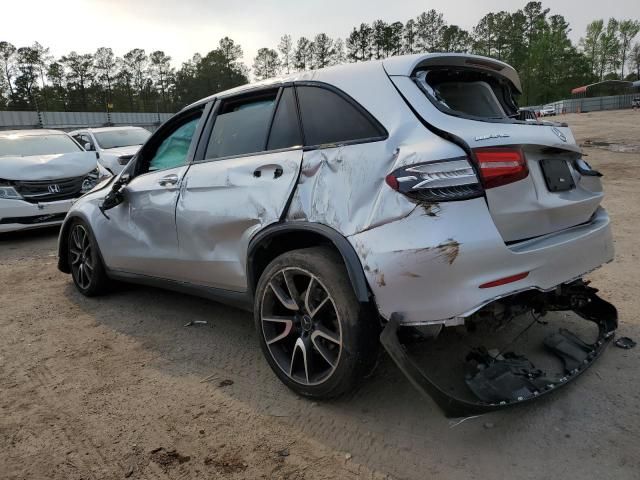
column 172, row 152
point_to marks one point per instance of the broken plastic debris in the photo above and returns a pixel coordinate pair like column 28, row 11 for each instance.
column 195, row 322
column 625, row 342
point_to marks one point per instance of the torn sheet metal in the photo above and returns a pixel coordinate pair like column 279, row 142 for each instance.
column 344, row 187
column 422, row 259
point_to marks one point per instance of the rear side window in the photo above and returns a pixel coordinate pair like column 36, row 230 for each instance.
column 285, row 131
column 327, row 118
column 241, row 126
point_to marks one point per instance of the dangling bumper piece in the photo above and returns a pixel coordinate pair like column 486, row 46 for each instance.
column 509, row 379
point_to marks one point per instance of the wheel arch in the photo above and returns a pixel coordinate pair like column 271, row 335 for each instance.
column 283, row 237
column 63, row 240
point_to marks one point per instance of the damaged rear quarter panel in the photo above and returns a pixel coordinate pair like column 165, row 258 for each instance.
column 343, row 186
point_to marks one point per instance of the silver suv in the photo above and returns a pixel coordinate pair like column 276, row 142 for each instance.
column 356, row 199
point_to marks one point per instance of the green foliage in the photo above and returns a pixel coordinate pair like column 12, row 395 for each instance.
column 266, row 64
column 531, row 39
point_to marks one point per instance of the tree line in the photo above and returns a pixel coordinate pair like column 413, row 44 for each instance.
column 531, row 39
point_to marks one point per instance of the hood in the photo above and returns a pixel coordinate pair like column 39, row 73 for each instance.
column 130, row 150
column 47, row 167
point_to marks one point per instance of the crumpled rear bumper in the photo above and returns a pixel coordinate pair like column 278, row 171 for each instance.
column 429, row 267
column 575, row 354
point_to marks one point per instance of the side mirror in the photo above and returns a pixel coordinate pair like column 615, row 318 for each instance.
column 115, row 196
column 121, row 181
column 88, row 147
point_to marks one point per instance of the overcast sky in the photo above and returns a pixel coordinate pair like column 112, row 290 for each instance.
column 182, row 28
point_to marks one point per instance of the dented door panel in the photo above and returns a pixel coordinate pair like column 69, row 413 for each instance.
column 140, row 235
column 222, row 204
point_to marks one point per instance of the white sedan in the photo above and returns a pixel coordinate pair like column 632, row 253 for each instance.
column 115, row 146
column 42, row 172
column 548, row 111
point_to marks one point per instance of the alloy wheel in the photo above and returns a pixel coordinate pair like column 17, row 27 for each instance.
column 80, row 253
column 301, row 326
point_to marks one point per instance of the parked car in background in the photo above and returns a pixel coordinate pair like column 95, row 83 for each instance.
column 388, row 194
column 548, row 111
column 115, row 146
column 42, row 172
column 635, row 103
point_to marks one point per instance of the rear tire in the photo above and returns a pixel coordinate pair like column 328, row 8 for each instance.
column 85, row 262
column 318, row 339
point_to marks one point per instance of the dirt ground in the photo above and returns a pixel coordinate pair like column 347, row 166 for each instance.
column 119, row 387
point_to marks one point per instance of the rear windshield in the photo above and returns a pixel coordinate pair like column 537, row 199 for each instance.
column 27, row 145
column 468, row 92
column 122, row 138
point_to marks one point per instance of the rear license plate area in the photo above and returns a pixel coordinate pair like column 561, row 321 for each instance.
column 557, row 175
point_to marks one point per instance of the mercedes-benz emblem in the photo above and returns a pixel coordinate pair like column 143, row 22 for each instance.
column 559, row 134
column 54, row 188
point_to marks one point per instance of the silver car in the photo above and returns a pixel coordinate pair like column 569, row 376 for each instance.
column 346, row 204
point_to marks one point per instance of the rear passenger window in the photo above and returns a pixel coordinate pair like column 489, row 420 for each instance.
column 285, row 131
column 329, row 118
column 241, row 126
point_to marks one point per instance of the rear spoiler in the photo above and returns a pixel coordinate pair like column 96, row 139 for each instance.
column 406, row 65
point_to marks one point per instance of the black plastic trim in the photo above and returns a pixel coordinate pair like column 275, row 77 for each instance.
column 273, row 116
column 229, row 297
column 597, row 310
column 203, row 141
column 351, row 260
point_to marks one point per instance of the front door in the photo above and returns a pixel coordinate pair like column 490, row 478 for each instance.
column 140, row 236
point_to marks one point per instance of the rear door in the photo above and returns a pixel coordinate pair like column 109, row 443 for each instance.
column 247, row 169
column 556, row 190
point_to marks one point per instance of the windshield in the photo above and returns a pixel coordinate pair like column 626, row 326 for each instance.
column 121, row 138
column 26, row 145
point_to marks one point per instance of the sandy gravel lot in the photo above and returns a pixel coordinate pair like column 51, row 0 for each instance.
column 117, row 387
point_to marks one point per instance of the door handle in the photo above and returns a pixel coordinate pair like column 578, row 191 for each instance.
column 277, row 170
column 168, row 181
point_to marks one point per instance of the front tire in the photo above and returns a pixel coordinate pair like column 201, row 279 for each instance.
column 85, row 262
column 318, row 339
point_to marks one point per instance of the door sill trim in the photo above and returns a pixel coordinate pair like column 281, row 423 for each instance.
column 229, row 297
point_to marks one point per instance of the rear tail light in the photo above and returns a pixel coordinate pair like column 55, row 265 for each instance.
column 500, row 166
column 437, row 181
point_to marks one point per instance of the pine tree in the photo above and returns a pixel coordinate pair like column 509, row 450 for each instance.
column 266, row 64
column 285, row 47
